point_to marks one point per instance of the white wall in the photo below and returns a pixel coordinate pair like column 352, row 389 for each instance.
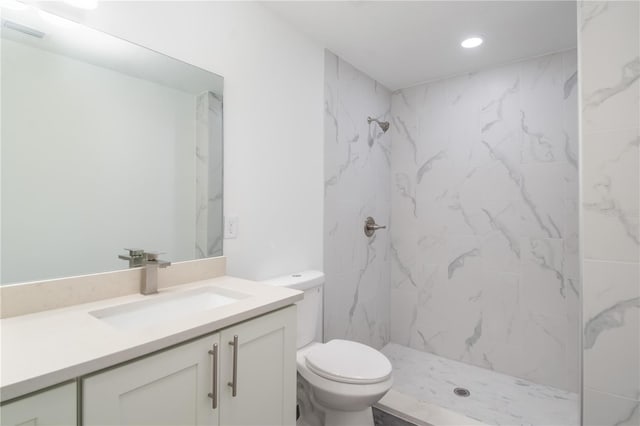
column 609, row 43
column 77, row 186
column 484, row 219
column 273, row 97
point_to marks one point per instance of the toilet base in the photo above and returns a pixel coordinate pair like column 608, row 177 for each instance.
column 350, row 418
column 313, row 413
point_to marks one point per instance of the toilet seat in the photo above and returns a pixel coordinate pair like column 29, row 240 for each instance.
column 344, row 361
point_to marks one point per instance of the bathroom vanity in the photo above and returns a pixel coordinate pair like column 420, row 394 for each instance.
column 217, row 351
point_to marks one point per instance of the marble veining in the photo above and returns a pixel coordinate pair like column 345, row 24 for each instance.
column 499, row 226
column 458, row 262
column 611, row 317
column 611, row 340
column 428, row 165
column 590, row 11
column 495, row 399
column 402, row 126
column 629, row 74
column 571, row 156
column 404, row 187
column 484, row 233
column 570, row 84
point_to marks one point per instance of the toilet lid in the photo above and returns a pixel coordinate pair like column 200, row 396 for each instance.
column 348, row 362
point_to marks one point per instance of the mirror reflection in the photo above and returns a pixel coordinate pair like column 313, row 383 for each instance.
column 105, row 145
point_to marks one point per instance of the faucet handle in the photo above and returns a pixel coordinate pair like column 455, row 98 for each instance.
column 152, row 255
column 135, row 258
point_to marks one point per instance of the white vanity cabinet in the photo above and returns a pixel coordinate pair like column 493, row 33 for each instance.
column 55, row 406
column 168, row 388
column 176, row 386
column 266, row 371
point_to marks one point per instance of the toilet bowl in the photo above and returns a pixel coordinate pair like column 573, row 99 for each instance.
column 345, row 379
column 338, row 381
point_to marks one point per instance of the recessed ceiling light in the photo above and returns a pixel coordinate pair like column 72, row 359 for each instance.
column 471, row 42
column 83, row 4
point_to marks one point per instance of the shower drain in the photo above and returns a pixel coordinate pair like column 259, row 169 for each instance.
column 462, row 392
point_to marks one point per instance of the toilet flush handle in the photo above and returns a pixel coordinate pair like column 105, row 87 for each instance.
column 370, row 226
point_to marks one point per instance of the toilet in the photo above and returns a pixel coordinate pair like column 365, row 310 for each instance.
column 340, row 380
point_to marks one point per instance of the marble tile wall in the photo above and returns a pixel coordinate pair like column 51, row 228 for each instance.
column 215, row 219
column 484, row 219
column 209, row 220
column 609, row 39
column 357, row 184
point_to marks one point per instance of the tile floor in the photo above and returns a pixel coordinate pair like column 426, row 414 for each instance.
column 496, row 399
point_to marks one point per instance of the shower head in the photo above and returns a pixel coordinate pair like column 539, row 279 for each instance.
column 384, row 125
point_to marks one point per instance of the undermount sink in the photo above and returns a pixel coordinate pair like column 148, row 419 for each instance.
column 162, row 308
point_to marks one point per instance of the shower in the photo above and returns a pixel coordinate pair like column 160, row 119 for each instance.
column 384, row 125
column 418, row 180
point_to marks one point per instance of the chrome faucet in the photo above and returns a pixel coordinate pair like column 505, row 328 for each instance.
column 135, row 258
column 150, row 279
column 151, row 263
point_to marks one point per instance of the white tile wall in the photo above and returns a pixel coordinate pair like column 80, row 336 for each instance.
column 610, row 73
column 484, row 227
column 482, row 180
column 357, row 161
column 209, row 218
column 611, row 332
column 601, row 409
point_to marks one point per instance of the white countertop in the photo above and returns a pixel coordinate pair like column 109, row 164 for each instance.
column 46, row 348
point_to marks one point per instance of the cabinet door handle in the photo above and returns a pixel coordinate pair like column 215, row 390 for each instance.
column 234, row 381
column 214, row 391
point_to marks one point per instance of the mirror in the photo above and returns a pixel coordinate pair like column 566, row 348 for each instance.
column 105, row 145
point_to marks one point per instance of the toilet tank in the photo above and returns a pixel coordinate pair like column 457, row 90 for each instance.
column 310, row 308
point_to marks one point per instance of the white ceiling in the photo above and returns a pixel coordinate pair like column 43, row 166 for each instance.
column 402, row 44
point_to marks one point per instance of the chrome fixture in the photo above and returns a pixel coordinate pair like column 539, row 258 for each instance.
column 234, row 375
column 370, row 226
column 150, row 280
column 384, row 125
column 135, row 258
column 214, row 379
column 463, row 392
column 151, row 263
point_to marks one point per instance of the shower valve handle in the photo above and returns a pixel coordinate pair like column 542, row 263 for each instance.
column 370, row 226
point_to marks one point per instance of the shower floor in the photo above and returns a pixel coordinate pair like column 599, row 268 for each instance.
column 423, row 388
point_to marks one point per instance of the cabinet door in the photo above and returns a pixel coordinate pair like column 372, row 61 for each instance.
column 266, row 371
column 168, row 388
column 56, row 406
